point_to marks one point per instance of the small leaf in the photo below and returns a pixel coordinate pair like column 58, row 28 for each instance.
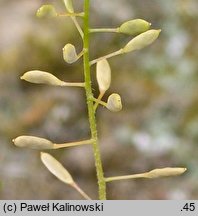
column 41, row 77
column 56, row 168
column 33, row 142
column 114, row 103
column 169, row 171
column 103, row 75
column 46, row 11
column 142, row 40
column 69, row 6
column 69, row 53
column 134, row 27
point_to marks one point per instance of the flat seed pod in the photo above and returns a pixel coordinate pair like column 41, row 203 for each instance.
column 69, row 53
column 142, row 40
column 103, row 75
column 56, row 168
column 114, row 103
column 46, row 11
column 33, row 142
column 134, row 27
column 41, row 77
column 69, row 6
column 156, row 173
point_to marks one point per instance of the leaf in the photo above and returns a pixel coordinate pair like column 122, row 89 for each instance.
column 103, row 75
column 33, row 142
column 56, row 168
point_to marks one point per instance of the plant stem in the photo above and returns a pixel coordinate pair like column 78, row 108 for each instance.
column 70, row 14
column 117, row 178
column 111, row 30
column 98, row 101
column 74, row 185
column 72, row 144
column 72, row 84
column 77, row 26
column 120, row 51
column 91, row 111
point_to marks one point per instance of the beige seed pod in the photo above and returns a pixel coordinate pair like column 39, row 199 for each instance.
column 142, row 40
column 114, row 103
column 103, row 75
column 134, row 27
column 41, row 77
column 169, row 171
column 46, row 11
column 69, row 6
column 69, row 53
column 33, row 142
column 56, row 168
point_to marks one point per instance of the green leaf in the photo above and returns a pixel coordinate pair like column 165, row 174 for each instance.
column 46, row 11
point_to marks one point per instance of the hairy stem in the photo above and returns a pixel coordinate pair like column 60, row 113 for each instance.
column 91, row 111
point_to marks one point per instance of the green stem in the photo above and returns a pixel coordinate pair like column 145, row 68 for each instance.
column 98, row 101
column 118, row 178
column 72, row 144
column 97, row 30
column 72, row 84
column 77, row 26
column 91, row 111
column 119, row 52
column 71, row 14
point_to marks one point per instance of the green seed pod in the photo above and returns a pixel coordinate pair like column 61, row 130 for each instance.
column 69, row 53
column 142, row 40
column 33, row 142
column 114, row 103
column 69, row 6
column 46, row 11
column 103, row 75
column 56, row 168
column 41, row 77
column 156, row 173
column 134, row 27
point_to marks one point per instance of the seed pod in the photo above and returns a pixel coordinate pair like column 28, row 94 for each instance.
column 114, row 103
column 69, row 53
column 156, row 173
column 56, row 168
column 69, row 6
column 46, row 11
column 41, row 77
column 142, row 40
column 103, row 75
column 134, row 27
column 33, row 142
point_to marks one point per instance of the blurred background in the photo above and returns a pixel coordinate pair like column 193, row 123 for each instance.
column 158, row 126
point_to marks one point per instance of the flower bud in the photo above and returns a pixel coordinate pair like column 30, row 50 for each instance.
column 156, row 173
column 56, row 168
column 41, row 77
column 142, row 40
column 46, row 11
column 69, row 6
column 134, row 27
column 69, row 53
column 103, row 75
column 33, row 142
column 114, row 103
